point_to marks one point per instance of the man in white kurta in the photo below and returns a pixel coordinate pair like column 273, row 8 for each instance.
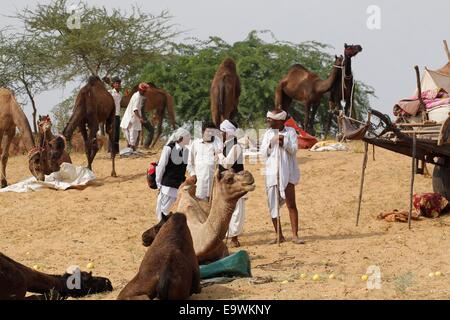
column 279, row 147
column 132, row 119
column 167, row 194
column 117, row 96
column 232, row 158
column 202, row 161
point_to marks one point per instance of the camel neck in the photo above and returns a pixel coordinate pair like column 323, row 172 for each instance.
column 220, row 215
column 326, row 85
column 21, row 122
column 348, row 66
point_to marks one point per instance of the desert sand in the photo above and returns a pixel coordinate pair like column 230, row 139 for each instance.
column 104, row 222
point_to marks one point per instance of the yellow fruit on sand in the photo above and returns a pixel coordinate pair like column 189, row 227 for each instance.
column 90, row 266
column 285, row 282
column 431, row 274
column 331, row 276
column 438, row 273
column 364, row 277
column 37, row 267
column 303, row 276
column 316, row 277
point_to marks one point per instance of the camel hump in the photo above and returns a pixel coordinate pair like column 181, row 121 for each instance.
column 298, row 66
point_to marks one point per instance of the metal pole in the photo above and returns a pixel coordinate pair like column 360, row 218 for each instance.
column 364, row 166
column 413, row 173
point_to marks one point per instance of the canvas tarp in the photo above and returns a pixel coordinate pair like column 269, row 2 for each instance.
column 432, row 80
column 305, row 140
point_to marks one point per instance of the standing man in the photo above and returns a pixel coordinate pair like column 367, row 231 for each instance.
column 171, row 171
column 132, row 119
column 202, row 160
column 117, row 96
column 279, row 147
column 233, row 158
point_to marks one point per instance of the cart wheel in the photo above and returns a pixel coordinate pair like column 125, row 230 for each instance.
column 379, row 124
column 441, row 181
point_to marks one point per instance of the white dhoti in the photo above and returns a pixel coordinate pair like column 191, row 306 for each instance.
column 272, row 194
column 131, row 135
column 236, row 227
column 163, row 205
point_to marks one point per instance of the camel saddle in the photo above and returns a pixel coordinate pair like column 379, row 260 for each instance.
column 351, row 130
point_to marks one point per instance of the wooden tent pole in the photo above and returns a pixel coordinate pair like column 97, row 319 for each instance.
column 413, row 173
column 364, row 166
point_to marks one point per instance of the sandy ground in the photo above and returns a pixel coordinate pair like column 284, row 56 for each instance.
column 103, row 224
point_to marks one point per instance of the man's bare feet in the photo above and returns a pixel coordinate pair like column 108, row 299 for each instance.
column 234, row 243
column 298, row 240
column 275, row 241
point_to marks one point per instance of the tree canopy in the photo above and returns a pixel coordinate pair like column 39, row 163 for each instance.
column 188, row 70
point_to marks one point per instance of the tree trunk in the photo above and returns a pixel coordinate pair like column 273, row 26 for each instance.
column 33, row 104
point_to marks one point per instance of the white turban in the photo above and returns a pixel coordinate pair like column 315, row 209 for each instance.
column 277, row 116
column 178, row 134
column 228, row 127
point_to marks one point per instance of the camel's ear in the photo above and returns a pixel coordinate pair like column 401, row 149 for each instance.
column 345, row 46
column 335, row 56
column 218, row 175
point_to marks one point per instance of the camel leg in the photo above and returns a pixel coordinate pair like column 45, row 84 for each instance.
column 312, row 119
column 159, row 131
column 87, row 145
column 307, row 118
column 5, row 155
column 110, row 128
column 93, row 129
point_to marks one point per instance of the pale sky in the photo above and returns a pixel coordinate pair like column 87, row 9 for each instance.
column 411, row 33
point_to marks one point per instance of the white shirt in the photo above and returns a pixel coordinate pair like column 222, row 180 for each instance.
column 282, row 158
column 161, row 168
column 201, row 163
column 117, row 96
column 233, row 155
column 129, row 118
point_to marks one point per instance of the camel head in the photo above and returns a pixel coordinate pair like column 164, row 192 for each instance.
column 150, row 235
column 338, row 61
column 89, row 285
column 352, row 50
column 232, row 186
column 44, row 124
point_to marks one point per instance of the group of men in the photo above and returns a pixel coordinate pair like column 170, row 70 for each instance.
column 218, row 150
column 221, row 150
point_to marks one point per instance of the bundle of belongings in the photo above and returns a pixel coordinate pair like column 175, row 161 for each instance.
column 429, row 205
column 435, row 96
column 328, row 146
column 305, row 140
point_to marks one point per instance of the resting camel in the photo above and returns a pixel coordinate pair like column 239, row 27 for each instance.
column 54, row 145
column 169, row 270
column 16, row 280
column 305, row 86
column 225, row 92
column 157, row 101
column 94, row 105
column 345, row 87
column 12, row 117
column 209, row 228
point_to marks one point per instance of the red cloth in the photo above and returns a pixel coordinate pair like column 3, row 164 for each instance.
column 429, row 204
column 305, row 140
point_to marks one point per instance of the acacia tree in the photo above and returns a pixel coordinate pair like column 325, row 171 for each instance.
column 106, row 42
column 26, row 68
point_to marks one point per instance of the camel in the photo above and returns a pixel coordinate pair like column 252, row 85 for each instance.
column 12, row 117
column 225, row 92
column 157, row 101
column 94, row 105
column 305, row 86
column 169, row 270
column 54, row 145
column 209, row 228
column 16, row 280
column 343, row 87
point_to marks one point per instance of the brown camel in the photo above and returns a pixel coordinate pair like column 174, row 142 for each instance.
column 305, row 86
column 343, row 84
column 54, row 145
column 169, row 270
column 94, row 105
column 16, row 280
column 156, row 101
column 225, row 92
column 209, row 227
column 12, row 117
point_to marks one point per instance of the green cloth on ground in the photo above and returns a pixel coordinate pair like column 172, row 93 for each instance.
column 235, row 265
